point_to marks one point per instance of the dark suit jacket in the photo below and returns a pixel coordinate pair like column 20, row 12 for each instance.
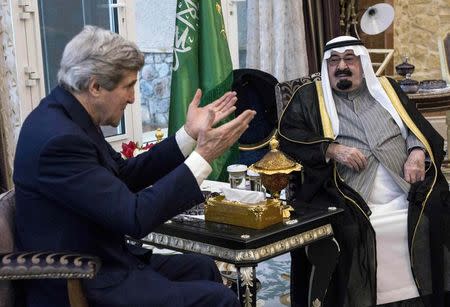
column 75, row 193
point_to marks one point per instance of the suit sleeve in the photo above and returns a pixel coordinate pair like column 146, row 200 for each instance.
column 147, row 168
column 70, row 174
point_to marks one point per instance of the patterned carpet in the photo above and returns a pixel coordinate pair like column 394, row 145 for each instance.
column 274, row 277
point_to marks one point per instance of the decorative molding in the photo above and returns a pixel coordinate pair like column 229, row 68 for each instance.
column 240, row 256
column 247, row 277
column 32, row 265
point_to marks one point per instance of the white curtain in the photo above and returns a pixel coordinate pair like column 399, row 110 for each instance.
column 276, row 38
column 9, row 99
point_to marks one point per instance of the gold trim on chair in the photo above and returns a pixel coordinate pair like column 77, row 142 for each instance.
column 263, row 143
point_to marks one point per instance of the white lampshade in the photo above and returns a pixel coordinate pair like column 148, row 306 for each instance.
column 377, row 18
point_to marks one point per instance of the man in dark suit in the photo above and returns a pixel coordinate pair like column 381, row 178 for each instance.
column 75, row 193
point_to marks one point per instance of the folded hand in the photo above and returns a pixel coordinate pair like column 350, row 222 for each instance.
column 414, row 167
column 348, row 156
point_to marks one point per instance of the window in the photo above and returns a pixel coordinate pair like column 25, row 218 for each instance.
column 155, row 30
column 235, row 15
column 43, row 28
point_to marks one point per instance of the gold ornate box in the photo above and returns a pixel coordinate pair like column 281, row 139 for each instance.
column 256, row 216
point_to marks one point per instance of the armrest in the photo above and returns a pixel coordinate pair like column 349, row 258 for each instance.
column 39, row 265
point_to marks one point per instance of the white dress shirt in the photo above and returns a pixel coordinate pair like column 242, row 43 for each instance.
column 199, row 167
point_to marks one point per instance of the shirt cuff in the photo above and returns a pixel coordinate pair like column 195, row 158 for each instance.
column 185, row 142
column 417, row 147
column 199, row 167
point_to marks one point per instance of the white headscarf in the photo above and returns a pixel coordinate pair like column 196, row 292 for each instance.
column 374, row 86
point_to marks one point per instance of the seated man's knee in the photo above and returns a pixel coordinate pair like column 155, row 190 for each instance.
column 205, row 267
column 223, row 297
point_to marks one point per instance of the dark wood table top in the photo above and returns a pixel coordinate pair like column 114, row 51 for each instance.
column 241, row 238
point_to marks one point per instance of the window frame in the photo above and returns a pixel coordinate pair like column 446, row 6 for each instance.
column 30, row 67
column 229, row 10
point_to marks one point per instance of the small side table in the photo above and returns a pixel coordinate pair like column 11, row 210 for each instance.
column 245, row 247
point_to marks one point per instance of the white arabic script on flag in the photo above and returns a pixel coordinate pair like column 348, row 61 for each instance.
column 188, row 17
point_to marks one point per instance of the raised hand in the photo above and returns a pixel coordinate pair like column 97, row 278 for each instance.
column 212, row 142
column 348, row 156
column 414, row 167
column 219, row 109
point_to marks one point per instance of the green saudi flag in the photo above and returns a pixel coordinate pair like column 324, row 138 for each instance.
column 201, row 59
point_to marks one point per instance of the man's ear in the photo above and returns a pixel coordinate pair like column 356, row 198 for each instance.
column 94, row 87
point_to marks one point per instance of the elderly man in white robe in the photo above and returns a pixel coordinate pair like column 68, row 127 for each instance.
column 365, row 146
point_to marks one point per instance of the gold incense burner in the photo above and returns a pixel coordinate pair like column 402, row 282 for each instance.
column 274, row 169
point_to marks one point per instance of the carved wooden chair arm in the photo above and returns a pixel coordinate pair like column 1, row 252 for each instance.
column 39, row 265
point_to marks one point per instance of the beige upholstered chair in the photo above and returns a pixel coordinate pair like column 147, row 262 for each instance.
column 38, row 265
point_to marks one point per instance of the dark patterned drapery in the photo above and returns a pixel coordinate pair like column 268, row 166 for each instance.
column 321, row 25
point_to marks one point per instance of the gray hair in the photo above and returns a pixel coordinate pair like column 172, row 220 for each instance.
column 96, row 52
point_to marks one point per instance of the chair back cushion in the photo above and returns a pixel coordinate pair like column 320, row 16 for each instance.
column 7, row 209
column 285, row 90
column 255, row 90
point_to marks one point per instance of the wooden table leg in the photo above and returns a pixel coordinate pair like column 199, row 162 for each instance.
column 323, row 256
column 246, row 285
column 76, row 294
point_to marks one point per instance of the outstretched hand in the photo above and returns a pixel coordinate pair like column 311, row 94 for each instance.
column 213, row 112
column 348, row 156
column 213, row 142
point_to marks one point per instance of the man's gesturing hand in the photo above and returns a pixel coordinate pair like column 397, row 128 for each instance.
column 196, row 116
column 212, row 142
column 349, row 156
column 414, row 167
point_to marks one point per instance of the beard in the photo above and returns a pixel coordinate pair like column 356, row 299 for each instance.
column 344, row 84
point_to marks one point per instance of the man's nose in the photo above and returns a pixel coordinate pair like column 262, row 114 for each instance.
column 131, row 97
column 342, row 64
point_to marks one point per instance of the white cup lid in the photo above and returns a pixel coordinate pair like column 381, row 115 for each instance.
column 252, row 173
column 234, row 168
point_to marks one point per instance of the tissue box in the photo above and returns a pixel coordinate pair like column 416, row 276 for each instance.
column 256, row 216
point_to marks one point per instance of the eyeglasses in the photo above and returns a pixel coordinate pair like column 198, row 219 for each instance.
column 348, row 59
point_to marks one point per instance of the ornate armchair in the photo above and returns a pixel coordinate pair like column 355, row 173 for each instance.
column 285, row 90
column 283, row 94
column 38, row 265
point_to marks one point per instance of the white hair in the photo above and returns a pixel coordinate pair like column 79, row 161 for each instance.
column 372, row 82
column 96, row 52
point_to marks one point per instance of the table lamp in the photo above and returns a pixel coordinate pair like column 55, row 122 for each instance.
column 377, row 18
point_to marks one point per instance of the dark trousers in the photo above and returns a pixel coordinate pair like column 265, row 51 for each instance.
column 169, row 280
